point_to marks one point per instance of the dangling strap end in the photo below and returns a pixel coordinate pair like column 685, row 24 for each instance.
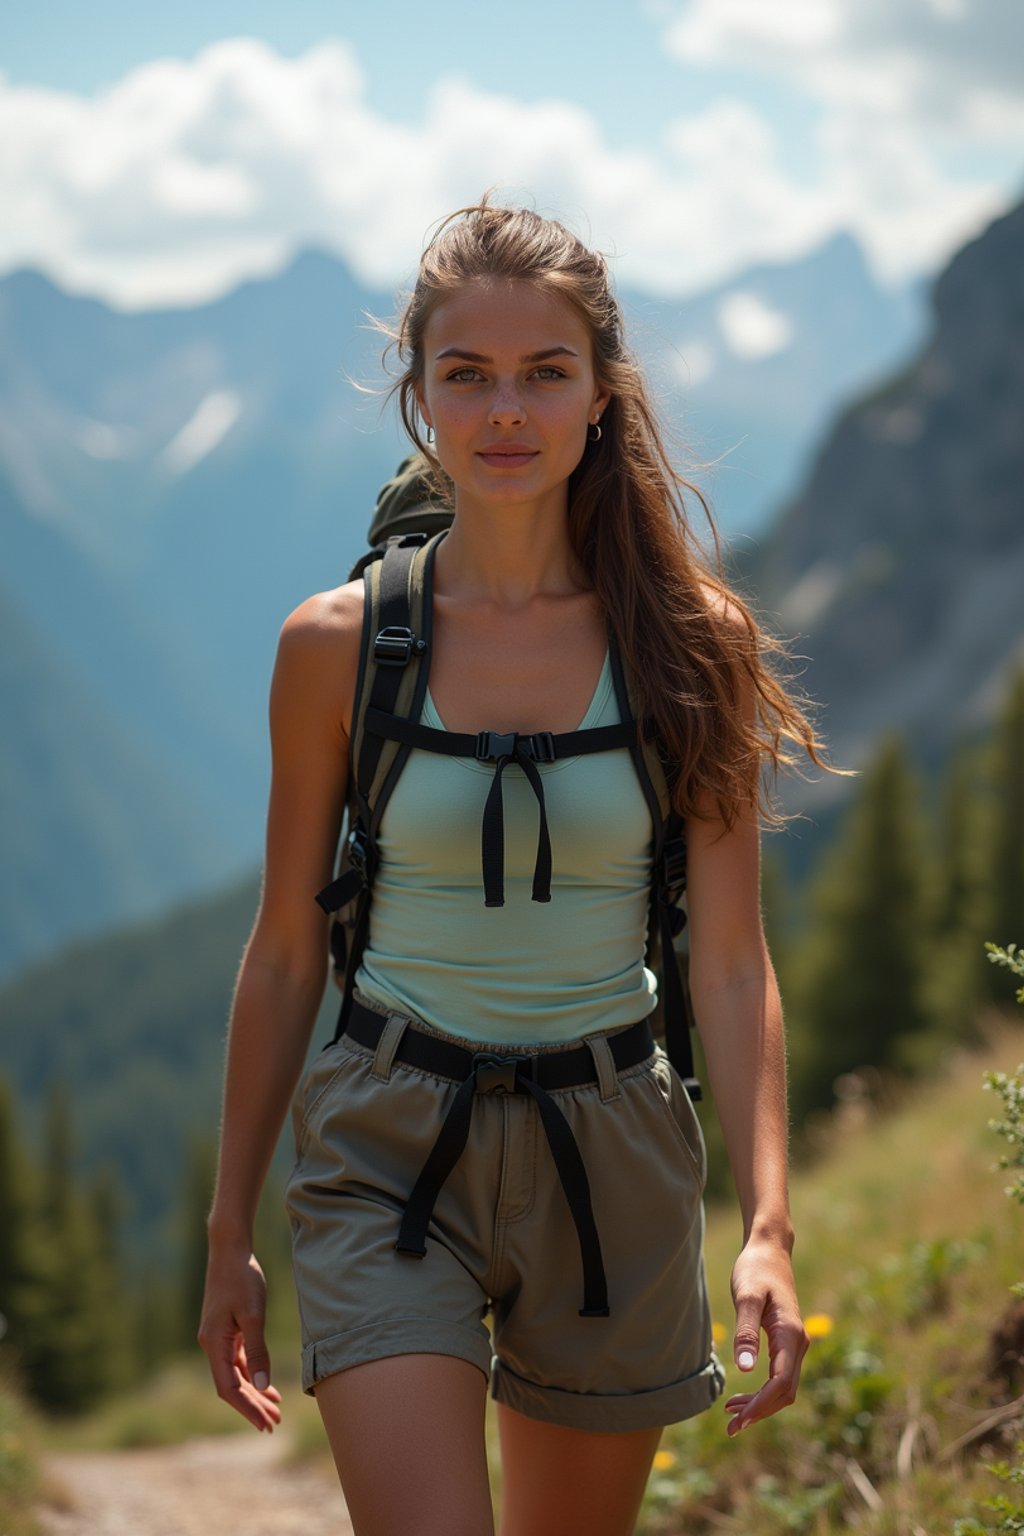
column 412, row 1253
column 497, row 901
column 341, row 891
column 595, row 1312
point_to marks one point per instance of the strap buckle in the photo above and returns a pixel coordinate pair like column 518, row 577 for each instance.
column 492, row 744
column 395, row 645
column 497, row 1074
column 358, row 848
column 494, row 1074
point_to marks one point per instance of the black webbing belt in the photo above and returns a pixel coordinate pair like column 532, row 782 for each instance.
column 491, row 1072
column 502, row 749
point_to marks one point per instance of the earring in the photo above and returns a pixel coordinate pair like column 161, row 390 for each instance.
column 430, row 436
column 595, row 437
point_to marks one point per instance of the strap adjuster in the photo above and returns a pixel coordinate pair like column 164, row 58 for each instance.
column 395, row 645
column 542, row 747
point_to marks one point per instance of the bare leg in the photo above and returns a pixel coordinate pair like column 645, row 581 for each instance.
column 407, row 1435
column 570, row 1482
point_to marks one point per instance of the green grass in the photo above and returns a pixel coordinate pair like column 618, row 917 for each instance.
column 20, row 1478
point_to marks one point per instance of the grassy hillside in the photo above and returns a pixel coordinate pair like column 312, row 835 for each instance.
column 906, row 1247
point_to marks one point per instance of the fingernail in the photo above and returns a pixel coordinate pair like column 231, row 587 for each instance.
column 261, row 1381
column 745, row 1360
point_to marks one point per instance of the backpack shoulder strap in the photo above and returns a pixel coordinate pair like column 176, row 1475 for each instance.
column 397, row 632
column 394, row 665
column 673, row 1016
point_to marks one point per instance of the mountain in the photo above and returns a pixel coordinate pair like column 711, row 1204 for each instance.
column 760, row 363
column 88, row 811
column 900, row 561
column 173, row 483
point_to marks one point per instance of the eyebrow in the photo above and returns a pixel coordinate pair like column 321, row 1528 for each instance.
column 529, row 357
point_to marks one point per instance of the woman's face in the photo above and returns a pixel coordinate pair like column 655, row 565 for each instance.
column 508, row 387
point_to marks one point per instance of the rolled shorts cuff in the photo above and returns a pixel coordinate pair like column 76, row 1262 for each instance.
column 610, row 1410
column 393, row 1336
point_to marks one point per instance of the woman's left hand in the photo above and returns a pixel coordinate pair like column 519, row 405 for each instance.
column 764, row 1295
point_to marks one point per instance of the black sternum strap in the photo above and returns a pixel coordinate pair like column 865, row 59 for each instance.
column 526, row 751
column 542, row 746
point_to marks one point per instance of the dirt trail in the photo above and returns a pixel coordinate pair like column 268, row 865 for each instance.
column 208, row 1487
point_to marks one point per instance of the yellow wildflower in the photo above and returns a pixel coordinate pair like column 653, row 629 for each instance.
column 819, row 1325
column 663, row 1461
column 718, row 1332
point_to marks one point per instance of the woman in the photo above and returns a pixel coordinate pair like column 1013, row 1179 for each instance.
column 568, row 537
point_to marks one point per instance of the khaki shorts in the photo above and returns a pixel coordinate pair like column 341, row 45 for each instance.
column 501, row 1239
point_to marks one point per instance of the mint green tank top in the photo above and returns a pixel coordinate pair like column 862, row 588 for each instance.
column 529, row 971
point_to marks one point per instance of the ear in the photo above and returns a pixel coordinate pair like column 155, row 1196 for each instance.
column 601, row 399
column 421, row 404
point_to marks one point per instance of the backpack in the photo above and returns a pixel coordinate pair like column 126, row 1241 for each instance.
column 397, row 569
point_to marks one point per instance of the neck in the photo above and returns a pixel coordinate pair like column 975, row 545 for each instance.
column 507, row 555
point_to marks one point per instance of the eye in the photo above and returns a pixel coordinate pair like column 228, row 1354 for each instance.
column 554, row 373
column 457, row 375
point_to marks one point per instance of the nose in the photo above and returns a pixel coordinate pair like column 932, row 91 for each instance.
column 506, row 407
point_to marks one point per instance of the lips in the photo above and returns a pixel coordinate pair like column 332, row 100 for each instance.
column 508, row 455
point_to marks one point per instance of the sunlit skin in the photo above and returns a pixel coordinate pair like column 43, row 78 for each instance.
column 543, row 404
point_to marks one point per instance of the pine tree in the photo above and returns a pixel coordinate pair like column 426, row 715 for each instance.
column 860, row 994
column 105, row 1212
column 197, row 1193
column 14, row 1206
column 66, row 1317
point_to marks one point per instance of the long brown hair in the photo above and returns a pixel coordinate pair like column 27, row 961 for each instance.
column 687, row 637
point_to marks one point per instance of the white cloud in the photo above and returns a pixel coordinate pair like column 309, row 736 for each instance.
column 187, row 176
column 901, row 89
column 929, row 63
column 788, row 27
column 752, row 329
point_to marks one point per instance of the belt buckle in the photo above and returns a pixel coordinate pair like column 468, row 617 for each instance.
column 494, row 1073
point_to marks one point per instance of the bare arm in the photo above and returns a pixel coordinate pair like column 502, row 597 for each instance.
column 282, row 975
column 739, row 1015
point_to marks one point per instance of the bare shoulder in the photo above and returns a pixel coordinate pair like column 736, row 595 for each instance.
column 333, row 617
column 725, row 609
column 318, row 647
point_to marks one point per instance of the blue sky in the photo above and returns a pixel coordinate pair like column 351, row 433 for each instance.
column 161, row 156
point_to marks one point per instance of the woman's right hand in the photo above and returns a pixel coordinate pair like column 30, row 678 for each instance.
column 231, row 1335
